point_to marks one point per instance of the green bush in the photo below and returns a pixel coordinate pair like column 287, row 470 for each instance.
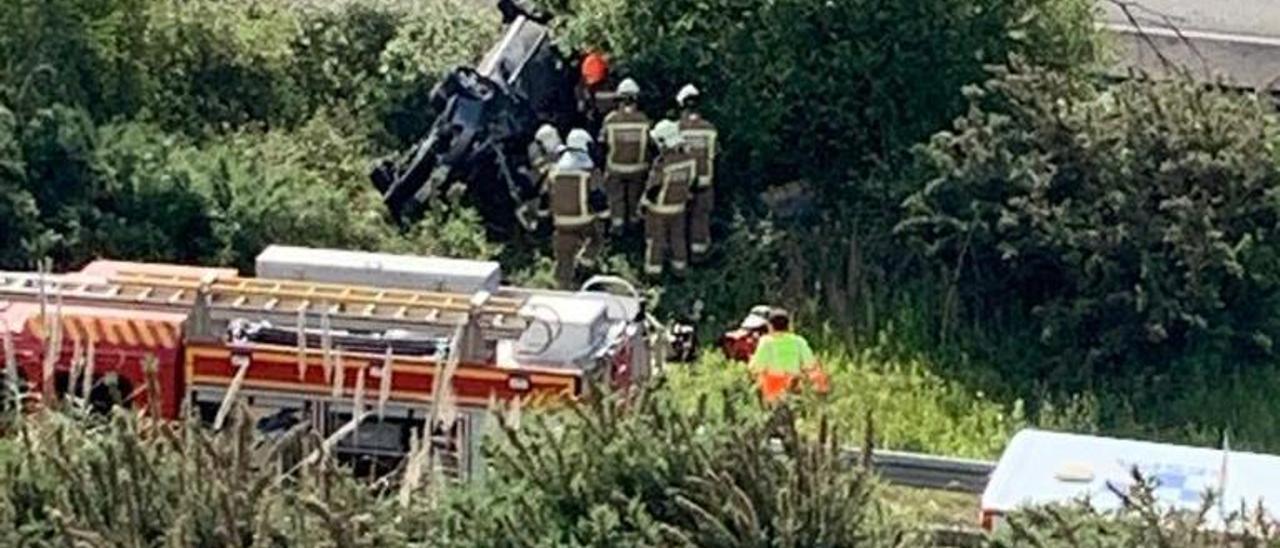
column 642, row 471
column 132, row 192
column 824, row 91
column 433, row 38
column 309, row 187
column 88, row 53
column 221, row 65
column 66, row 179
column 1136, row 224
column 337, row 49
column 152, row 210
column 19, row 216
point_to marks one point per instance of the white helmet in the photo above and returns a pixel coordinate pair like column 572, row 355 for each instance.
column 579, row 139
column 667, row 134
column 548, row 137
column 686, row 93
column 628, row 88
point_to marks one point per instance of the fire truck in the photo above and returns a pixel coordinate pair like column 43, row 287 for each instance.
column 317, row 333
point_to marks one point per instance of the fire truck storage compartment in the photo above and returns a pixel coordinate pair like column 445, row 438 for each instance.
column 562, row 330
column 389, row 437
column 267, row 409
column 378, row 269
column 400, row 341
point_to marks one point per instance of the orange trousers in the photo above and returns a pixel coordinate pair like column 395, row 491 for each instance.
column 773, row 386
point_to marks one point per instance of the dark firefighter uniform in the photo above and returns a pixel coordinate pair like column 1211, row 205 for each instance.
column 625, row 132
column 543, row 153
column 576, row 201
column 666, row 195
column 700, row 138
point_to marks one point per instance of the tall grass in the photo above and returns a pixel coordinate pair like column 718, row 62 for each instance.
column 74, row 479
column 908, row 407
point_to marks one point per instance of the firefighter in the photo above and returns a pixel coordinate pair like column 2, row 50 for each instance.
column 577, row 205
column 700, row 138
column 665, row 198
column 543, row 153
column 624, row 134
column 782, row 357
column 592, row 100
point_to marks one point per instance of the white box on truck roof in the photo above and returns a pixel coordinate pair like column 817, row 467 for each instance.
column 564, row 330
column 378, row 269
column 1041, row 467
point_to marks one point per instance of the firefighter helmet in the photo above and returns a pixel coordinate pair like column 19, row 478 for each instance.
column 548, row 137
column 579, row 139
column 667, row 134
column 628, row 88
column 687, row 92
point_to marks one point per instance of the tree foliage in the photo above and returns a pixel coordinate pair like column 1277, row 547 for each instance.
column 203, row 131
column 825, row 91
column 430, row 41
column 20, row 225
column 1136, row 223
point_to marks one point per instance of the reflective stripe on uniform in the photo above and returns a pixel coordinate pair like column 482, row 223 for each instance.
column 707, row 136
column 573, row 220
column 649, row 264
column 648, row 251
column 613, row 132
column 627, row 169
column 666, row 209
column 691, row 166
column 583, row 215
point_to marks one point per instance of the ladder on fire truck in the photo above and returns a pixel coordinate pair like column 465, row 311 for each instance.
column 259, row 296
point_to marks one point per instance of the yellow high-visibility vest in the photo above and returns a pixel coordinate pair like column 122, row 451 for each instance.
column 783, row 353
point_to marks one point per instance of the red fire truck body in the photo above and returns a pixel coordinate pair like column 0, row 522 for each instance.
column 295, row 348
column 124, row 341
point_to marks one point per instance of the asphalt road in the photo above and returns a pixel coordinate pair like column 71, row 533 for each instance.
column 1236, row 42
column 1244, row 17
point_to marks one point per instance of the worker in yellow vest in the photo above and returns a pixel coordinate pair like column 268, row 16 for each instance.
column 782, row 358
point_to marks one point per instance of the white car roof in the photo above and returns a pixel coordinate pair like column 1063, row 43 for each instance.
column 1041, row 467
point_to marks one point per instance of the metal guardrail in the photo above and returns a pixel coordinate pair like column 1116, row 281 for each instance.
column 929, row 471
column 933, row 472
column 956, row 537
column 923, row 471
